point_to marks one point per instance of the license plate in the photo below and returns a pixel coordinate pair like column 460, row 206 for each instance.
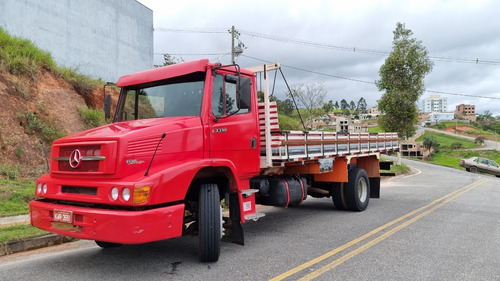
column 63, row 216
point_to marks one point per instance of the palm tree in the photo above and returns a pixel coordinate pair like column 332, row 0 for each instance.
column 430, row 144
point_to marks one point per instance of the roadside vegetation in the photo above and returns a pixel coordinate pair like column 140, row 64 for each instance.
column 446, row 141
column 92, row 117
column 21, row 62
column 15, row 196
column 22, row 57
column 19, row 232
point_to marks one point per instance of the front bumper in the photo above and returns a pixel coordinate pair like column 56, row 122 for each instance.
column 115, row 226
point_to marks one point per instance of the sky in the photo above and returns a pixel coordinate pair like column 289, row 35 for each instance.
column 342, row 44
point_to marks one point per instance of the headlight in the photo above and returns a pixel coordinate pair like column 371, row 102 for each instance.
column 126, row 194
column 39, row 188
column 114, row 193
column 44, row 188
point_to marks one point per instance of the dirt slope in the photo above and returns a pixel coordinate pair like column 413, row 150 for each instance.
column 46, row 101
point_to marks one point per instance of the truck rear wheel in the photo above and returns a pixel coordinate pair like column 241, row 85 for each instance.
column 209, row 221
column 357, row 191
column 337, row 193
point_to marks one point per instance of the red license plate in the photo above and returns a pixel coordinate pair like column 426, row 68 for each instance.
column 63, row 216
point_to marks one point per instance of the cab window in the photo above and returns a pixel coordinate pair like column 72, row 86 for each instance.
column 224, row 95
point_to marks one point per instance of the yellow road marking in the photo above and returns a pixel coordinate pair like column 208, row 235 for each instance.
column 445, row 199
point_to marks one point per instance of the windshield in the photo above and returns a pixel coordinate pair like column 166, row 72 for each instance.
column 180, row 96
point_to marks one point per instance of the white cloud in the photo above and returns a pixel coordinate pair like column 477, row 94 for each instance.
column 455, row 29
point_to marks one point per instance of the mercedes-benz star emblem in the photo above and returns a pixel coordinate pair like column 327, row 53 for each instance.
column 75, row 159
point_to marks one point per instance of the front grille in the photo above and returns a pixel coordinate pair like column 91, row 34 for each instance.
column 79, row 190
column 86, row 151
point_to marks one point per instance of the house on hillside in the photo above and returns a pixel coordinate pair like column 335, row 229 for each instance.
column 348, row 125
column 414, row 149
column 466, row 111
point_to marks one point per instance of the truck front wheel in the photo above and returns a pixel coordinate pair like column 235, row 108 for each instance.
column 209, row 221
column 106, row 245
column 357, row 191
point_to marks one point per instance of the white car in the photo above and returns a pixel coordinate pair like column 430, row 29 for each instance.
column 478, row 164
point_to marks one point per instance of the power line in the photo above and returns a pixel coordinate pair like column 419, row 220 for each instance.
column 326, row 45
column 192, row 30
column 191, row 54
column 366, row 82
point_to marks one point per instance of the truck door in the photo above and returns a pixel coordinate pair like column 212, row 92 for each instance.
column 233, row 124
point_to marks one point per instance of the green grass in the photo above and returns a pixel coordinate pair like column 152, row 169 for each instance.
column 35, row 126
column 92, row 117
column 15, row 196
column 446, row 141
column 375, row 129
column 451, row 157
column 22, row 57
column 400, row 169
column 81, row 83
column 19, row 232
column 11, row 171
column 475, row 130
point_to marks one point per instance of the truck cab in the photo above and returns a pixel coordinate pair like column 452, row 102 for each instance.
column 180, row 133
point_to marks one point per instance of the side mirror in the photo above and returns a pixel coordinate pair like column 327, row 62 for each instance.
column 107, row 107
column 244, row 93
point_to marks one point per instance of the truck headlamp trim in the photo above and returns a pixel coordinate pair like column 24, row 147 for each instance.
column 141, row 194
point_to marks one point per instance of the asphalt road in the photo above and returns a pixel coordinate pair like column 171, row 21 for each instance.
column 437, row 224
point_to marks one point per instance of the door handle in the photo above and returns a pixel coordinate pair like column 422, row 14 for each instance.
column 253, row 143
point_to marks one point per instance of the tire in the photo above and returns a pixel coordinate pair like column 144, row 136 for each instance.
column 106, row 245
column 473, row 169
column 337, row 193
column 209, row 221
column 357, row 191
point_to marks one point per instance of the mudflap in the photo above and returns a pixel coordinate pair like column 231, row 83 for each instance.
column 374, row 187
column 233, row 231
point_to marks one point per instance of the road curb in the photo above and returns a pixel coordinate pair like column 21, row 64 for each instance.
column 33, row 243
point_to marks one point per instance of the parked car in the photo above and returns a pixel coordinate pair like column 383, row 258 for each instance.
column 479, row 164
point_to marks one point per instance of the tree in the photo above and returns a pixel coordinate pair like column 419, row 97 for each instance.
column 169, row 60
column 285, row 107
column 345, row 107
column 402, row 78
column 488, row 116
column 430, row 143
column 352, row 105
column 310, row 96
column 362, row 105
column 336, row 105
column 328, row 107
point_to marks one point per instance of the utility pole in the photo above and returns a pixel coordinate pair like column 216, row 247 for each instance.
column 232, row 44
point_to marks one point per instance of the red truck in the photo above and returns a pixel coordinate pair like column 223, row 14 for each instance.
column 186, row 140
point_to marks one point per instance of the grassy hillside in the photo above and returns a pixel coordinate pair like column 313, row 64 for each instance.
column 43, row 101
column 447, row 141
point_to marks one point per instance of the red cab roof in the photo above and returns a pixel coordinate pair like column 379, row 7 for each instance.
column 162, row 73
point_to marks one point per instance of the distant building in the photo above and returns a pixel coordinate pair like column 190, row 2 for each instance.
column 466, row 111
column 436, row 117
column 373, row 111
column 345, row 125
column 103, row 39
column 414, row 149
column 434, row 103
